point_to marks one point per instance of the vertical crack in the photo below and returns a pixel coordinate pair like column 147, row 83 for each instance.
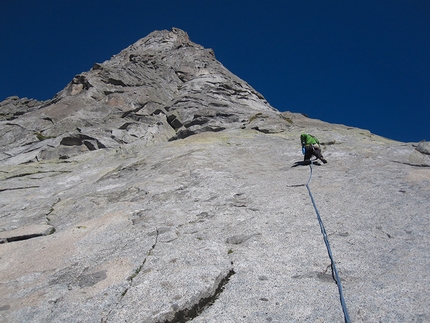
column 138, row 269
column 47, row 218
column 132, row 276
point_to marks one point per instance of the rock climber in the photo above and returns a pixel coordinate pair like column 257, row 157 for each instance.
column 311, row 146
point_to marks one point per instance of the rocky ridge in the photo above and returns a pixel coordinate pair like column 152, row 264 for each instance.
column 159, row 187
column 163, row 87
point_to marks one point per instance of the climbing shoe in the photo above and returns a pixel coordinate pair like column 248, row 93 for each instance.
column 323, row 160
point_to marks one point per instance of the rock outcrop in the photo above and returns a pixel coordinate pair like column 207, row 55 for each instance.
column 160, row 187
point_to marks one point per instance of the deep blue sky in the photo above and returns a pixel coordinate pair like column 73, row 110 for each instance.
column 362, row 63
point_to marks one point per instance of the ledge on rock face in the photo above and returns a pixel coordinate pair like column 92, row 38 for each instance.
column 80, row 139
column 27, row 232
column 416, row 158
column 424, row 147
column 182, row 134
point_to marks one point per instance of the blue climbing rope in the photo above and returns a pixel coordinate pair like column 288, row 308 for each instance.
column 333, row 265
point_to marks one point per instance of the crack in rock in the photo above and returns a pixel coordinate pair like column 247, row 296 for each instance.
column 18, row 188
column 132, row 276
column 411, row 164
column 189, row 314
column 137, row 271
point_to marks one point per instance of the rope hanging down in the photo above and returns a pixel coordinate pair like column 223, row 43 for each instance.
column 333, row 265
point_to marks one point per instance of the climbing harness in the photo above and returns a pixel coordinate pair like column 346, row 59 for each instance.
column 333, row 265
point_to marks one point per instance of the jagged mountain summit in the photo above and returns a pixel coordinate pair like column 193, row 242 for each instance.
column 160, row 187
column 163, row 87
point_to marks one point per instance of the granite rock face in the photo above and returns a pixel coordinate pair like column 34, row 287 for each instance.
column 159, row 187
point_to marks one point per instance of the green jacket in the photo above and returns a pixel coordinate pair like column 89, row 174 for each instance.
column 307, row 139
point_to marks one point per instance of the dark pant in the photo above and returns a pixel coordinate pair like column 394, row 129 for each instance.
column 309, row 151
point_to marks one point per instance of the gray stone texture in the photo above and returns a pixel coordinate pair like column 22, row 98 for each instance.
column 160, row 187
